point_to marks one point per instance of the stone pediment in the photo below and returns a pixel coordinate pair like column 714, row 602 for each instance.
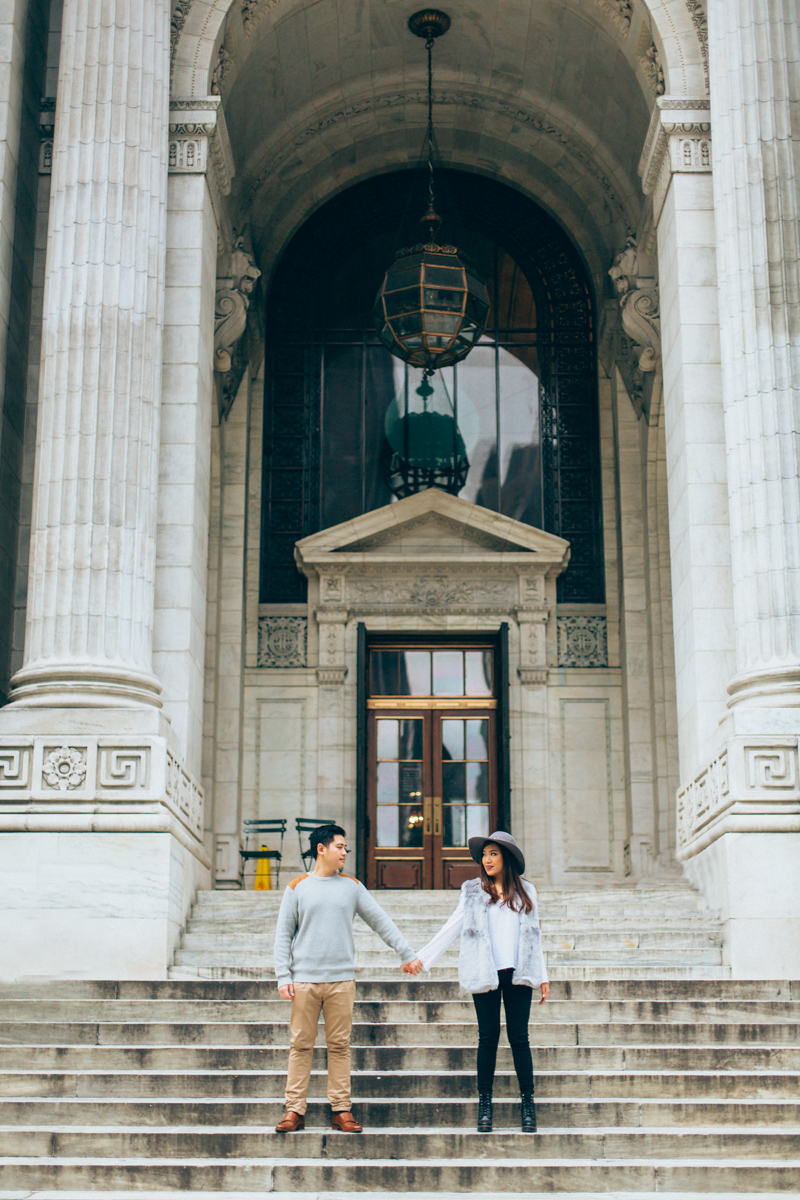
column 431, row 525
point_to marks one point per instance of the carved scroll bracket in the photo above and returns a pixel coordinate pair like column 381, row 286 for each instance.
column 237, row 276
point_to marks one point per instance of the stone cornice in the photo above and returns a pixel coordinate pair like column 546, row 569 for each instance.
column 670, row 114
column 202, row 117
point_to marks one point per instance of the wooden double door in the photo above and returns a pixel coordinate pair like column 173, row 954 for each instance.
column 432, row 785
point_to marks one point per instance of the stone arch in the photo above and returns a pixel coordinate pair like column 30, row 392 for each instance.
column 678, row 28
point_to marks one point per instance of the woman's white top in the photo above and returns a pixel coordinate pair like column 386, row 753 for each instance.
column 503, row 934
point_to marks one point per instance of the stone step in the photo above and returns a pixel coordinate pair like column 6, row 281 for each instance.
column 488, row 1175
column 242, row 942
column 407, row 1009
column 395, row 1111
column 731, row 1060
column 591, row 1141
column 216, row 953
column 396, row 987
column 455, row 1033
column 243, row 1084
column 586, row 971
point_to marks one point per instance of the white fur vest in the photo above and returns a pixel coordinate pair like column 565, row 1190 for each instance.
column 476, row 969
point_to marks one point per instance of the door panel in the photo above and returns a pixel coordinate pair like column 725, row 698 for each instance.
column 432, row 784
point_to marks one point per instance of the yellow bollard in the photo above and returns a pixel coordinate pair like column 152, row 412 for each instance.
column 263, row 881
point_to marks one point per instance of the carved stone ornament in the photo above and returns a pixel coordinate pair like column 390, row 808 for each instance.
column 582, row 641
column 64, row 769
column 650, row 62
column 639, row 305
column 620, row 12
column 282, row 641
column 237, row 276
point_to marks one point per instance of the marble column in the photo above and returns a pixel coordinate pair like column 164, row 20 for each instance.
column 90, row 599
column 739, row 817
column 754, row 48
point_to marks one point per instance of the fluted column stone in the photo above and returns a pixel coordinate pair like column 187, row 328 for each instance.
column 755, row 107
column 90, row 600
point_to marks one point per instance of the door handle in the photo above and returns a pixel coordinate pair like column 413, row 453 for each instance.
column 437, row 815
column 427, row 804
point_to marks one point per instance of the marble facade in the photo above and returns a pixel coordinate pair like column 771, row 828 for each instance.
column 152, row 703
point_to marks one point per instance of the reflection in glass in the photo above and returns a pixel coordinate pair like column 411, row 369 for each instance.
column 454, row 825
column 477, row 820
column 387, row 738
column 477, row 739
column 415, row 673
column 411, row 782
column 384, row 672
column 453, row 785
column 388, row 825
column 388, row 781
column 448, row 673
column 478, row 670
column 478, row 782
column 411, row 825
column 410, row 739
column 452, row 739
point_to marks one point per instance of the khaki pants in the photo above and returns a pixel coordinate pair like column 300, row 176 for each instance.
column 335, row 1001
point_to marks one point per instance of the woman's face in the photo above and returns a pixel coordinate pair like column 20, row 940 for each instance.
column 492, row 860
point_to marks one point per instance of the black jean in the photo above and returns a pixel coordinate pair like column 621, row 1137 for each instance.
column 517, row 1003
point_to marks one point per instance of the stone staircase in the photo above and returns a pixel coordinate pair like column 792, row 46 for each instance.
column 644, row 1086
column 604, row 932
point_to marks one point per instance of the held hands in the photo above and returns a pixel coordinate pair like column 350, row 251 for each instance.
column 286, row 992
column 412, row 968
column 545, row 993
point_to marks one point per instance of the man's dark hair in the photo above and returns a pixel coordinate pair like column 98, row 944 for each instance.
column 324, row 836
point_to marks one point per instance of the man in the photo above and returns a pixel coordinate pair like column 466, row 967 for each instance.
column 315, row 966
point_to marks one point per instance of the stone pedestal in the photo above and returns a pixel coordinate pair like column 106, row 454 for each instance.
column 101, row 850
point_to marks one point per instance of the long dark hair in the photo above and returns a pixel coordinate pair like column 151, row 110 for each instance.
column 514, row 890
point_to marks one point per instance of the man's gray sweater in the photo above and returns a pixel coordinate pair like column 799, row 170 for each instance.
column 314, row 936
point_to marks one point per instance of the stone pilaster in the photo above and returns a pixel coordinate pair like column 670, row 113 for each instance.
column 90, row 599
column 755, row 108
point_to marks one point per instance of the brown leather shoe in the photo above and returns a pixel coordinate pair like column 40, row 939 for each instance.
column 291, row 1123
column 346, row 1122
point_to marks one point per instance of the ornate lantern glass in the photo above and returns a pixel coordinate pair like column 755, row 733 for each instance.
column 432, row 306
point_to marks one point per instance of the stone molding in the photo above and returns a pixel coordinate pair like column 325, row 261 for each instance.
column 753, row 786
column 47, row 125
column 582, row 641
column 95, row 774
column 678, row 141
column 282, row 641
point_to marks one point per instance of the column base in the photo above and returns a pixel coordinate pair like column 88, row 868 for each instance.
column 101, row 851
column 739, row 841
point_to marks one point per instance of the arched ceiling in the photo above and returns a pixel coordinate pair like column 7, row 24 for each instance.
column 552, row 96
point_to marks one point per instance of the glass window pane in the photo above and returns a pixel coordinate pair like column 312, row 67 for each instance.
column 454, row 827
column 520, row 447
column 478, row 782
column 453, row 783
column 388, row 782
column 452, row 740
column 411, row 824
column 410, row 739
column 415, row 673
column 384, row 673
column 448, row 673
column 477, row 739
column 478, row 664
column 477, row 820
column 387, row 738
column 411, row 782
column 388, row 820
column 477, row 420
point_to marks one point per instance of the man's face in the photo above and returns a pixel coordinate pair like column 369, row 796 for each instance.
column 333, row 856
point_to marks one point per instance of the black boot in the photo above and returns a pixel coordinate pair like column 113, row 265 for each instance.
column 528, row 1112
column 484, row 1112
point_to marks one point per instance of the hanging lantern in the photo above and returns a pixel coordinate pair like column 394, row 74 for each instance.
column 432, row 306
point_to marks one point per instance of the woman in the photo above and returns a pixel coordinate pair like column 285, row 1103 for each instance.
column 500, row 956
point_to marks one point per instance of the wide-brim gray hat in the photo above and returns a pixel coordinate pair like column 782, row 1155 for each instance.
column 504, row 840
